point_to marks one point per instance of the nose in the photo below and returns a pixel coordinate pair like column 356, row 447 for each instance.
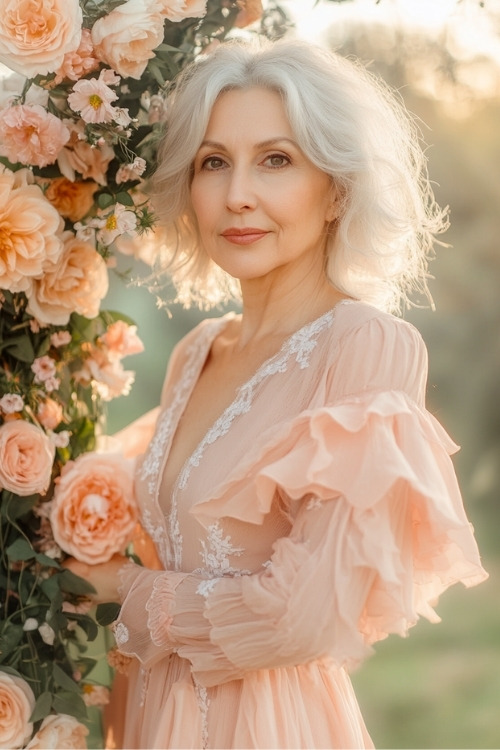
column 240, row 194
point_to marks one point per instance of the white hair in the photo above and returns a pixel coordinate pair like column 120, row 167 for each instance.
column 351, row 126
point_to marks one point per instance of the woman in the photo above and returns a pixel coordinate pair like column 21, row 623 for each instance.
column 301, row 499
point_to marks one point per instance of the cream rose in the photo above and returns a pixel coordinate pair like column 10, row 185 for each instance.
column 30, row 229
column 26, row 458
column 94, row 511
column 59, row 730
column 36, row 34
column 77, row 283
column 125, row 39
column 16, row 706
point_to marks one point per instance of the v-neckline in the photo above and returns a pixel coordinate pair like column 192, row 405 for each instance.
column 194, row 458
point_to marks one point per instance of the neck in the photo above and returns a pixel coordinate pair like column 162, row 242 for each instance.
column 281, row 304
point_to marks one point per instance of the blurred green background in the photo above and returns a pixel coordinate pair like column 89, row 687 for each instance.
column 441, row 687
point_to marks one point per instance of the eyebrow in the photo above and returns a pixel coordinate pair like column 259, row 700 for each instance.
column 262, row 144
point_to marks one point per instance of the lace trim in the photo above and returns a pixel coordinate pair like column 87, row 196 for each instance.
column 203, row 705
column 205, row 588
column 299, row 345
column 153, row 461
column 121, row 634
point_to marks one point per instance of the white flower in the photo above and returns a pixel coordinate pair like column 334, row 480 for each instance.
column 121, row 221
column 11, row 403
column 47, row 633
column 30, row 624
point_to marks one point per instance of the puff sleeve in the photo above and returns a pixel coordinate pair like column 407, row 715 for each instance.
column 379, row 529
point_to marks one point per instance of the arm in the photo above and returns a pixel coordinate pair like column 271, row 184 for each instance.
column 379, row 531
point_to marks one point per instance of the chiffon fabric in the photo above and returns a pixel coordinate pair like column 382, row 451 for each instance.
column 318, row 514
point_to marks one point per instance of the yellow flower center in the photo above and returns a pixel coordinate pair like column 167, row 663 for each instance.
column 95, row 101
column 111, row 222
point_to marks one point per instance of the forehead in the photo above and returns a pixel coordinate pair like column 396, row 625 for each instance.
column 256, row 111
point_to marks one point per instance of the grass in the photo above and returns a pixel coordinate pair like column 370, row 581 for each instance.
column 439, row 688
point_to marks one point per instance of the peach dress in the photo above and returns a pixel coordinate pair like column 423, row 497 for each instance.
column 318, row 514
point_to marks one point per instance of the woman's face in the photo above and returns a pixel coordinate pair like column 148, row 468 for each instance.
column 261, row 205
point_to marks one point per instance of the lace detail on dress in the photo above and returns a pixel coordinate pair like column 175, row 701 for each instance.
column 313, row 503
column 121, row 634
column 300, row 344
column 157, row 533
column 203, row 704
column 205, row 588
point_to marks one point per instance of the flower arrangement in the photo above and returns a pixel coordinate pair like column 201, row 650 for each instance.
column 76, row 145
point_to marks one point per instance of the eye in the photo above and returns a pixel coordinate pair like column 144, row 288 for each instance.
column 275, row 161
column 212, row 163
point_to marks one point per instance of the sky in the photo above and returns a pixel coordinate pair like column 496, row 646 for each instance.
column 472, row 28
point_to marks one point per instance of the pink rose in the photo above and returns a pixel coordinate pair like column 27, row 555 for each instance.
column 125, row 39
column 121, row 340
column 50, row 414
column 11, row 403
column 36, row 34
column 94, row 510
column 17, row 702
column 77, row 283
column 26, row 458
column 31, row 135
column 59, row 730
column 31, row 230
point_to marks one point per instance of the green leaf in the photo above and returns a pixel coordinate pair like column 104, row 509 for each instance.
column 87, row 624
column 51, row 588
column 104, row 200
column 125, row 199
column 10, row 639
column 107, row 613
column 63, row 680
column 15, row 507
column 21, row 348
column 20, row 550
column 47, row 561
column 73, row 584
column 70, row 703
column 42, row 707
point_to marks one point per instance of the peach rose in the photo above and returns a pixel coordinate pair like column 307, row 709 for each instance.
column 31, row 135
column 126, row 37
column 36, row 34
column 78, row 156
column 73, row 200
column 177, row 10
column 110, row 379
column 30, row 230
column 59, row 730
column 50, row 414
column 77, row 283
column 94, row 512
column 78, row 64
column 26, row 458
column 17, row 702
column 121, row 340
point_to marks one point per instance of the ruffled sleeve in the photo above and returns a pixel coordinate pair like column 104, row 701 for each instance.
column 379, row 530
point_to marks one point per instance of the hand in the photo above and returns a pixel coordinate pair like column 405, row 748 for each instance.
column 102, row 576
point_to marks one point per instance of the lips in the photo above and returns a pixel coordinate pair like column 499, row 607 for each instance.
column 244, row 236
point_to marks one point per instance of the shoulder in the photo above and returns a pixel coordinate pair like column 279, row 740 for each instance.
column 376, row 350
column 360, row 319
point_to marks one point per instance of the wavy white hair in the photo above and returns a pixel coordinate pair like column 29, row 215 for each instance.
column 351, row 126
